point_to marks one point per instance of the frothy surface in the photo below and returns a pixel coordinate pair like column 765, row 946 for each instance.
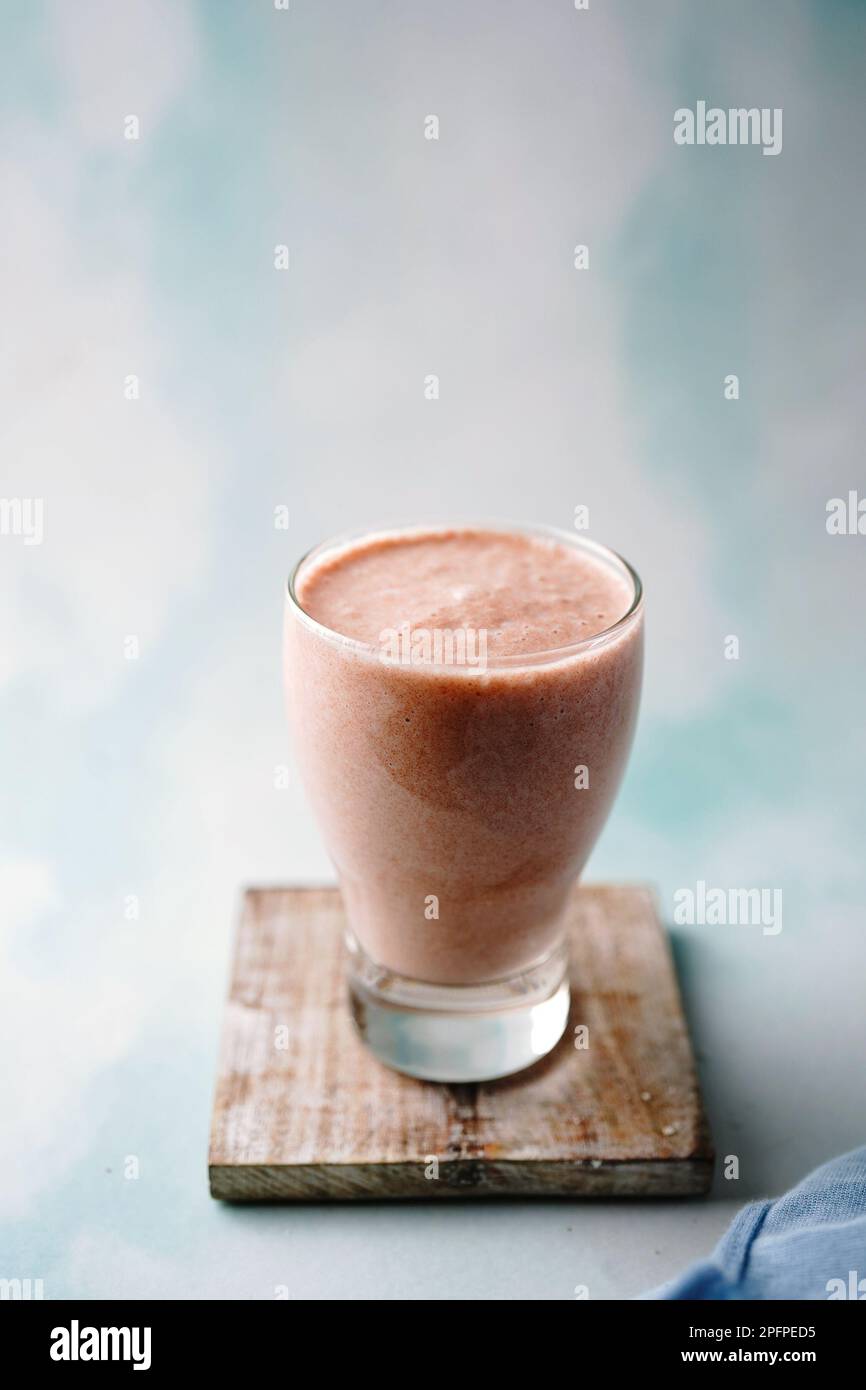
column 528, row 593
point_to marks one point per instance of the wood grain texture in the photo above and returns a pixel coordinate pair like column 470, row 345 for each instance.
column 320, row 1118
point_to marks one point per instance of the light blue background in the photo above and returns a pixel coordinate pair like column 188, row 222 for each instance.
column 304, row 388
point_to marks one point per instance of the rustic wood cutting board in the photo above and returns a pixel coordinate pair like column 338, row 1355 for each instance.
column 304, row 1111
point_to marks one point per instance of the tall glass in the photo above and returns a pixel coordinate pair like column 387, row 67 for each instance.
column 459, row 803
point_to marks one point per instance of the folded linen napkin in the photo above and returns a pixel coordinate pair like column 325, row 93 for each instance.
column 809, row 1244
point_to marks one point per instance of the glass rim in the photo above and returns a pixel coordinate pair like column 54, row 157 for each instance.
column 514, row 660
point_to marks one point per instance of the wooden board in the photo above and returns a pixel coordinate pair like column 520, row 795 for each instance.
column 308, row 1112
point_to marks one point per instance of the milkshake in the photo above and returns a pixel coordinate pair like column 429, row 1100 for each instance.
column 463, row 701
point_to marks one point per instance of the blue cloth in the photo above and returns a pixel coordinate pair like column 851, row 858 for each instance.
column 809, row 1244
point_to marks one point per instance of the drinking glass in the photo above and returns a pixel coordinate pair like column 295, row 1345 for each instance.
column 459, row 802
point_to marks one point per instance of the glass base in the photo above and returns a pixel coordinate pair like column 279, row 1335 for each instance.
column 459, row 1033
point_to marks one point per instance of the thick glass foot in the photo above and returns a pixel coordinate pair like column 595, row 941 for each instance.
column 459, row 1032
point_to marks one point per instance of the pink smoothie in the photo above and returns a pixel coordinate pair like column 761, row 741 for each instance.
column 447, row 792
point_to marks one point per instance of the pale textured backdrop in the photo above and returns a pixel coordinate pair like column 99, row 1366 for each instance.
column 305, row 388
